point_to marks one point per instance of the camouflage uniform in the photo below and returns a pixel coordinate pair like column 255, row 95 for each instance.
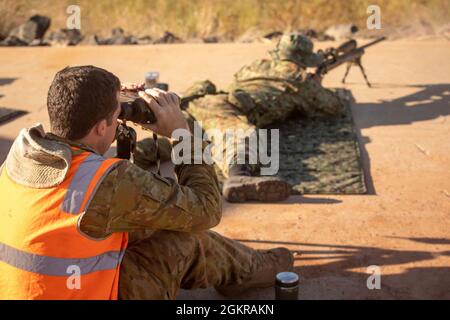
column 265, row 92
column 157, row 266
column 168, row 221
column 170, row 246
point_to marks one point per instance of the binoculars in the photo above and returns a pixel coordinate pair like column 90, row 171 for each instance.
column 134, row 108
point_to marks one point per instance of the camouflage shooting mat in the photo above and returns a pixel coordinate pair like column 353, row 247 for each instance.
column 8, row 114
column 322, row 156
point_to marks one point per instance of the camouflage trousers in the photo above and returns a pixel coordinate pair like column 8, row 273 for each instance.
column 157, row 264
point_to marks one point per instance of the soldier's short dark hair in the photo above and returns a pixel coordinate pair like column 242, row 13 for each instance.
column 78, row 98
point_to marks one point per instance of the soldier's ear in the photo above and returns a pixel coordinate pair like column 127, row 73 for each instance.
column 100, row 128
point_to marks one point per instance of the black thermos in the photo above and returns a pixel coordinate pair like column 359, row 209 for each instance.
column 286, row 286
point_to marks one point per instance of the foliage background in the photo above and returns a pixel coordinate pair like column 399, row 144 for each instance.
column 224, row 18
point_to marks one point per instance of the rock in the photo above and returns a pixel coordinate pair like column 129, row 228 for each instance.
column 144, row 40
column 39, row 43
column 121, row 41
column 211, row 39
column 118, row 37
column 341, row 31
column 34, row 28
column 12, row 41
column 65, row 37
column 168, row 37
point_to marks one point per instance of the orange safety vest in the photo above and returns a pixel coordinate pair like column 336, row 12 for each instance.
column 43, row 253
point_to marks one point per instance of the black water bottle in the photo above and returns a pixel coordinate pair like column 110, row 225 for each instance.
column 286, row 286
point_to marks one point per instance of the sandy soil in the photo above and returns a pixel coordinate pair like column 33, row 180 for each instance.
column 403, row 123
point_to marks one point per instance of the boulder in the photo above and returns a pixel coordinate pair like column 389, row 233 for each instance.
column 34, row 28
column 39, row 43
column 65, row 37
column 12, row 41
column 168, row 37
column 118, row 37
column 211, row 39
column 144, row 40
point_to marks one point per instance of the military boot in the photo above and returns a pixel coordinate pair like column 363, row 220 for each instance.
column 241, row 186
column 266, row 265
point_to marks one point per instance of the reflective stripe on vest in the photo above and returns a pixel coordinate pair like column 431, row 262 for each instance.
column 78, row 187
column 40, row 240
column 51, row 266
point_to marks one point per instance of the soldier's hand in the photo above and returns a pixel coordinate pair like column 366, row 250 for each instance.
column 166, row 107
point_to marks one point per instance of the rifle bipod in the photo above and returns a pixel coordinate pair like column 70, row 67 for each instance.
column 359, row 64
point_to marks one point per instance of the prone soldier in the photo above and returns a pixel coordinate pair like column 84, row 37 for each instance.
column 264, row 92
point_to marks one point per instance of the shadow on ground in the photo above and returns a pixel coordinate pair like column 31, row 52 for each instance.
column 6, row 81
column 430, row 102
column 5, row 145
column 327, row 271
column 8, row 114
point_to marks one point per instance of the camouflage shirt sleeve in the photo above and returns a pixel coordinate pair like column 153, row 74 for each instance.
column 132, row 199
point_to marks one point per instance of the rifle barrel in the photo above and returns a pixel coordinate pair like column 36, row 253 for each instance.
column 372, row 42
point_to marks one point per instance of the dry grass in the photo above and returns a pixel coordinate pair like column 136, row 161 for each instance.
column 227, row 18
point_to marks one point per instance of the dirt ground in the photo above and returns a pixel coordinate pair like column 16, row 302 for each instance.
column 403, row 124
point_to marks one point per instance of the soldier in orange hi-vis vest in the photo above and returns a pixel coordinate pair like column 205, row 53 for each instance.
column 76, row 225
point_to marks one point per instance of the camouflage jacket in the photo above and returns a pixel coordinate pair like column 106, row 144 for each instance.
column 269, row 91
column 134, row 200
